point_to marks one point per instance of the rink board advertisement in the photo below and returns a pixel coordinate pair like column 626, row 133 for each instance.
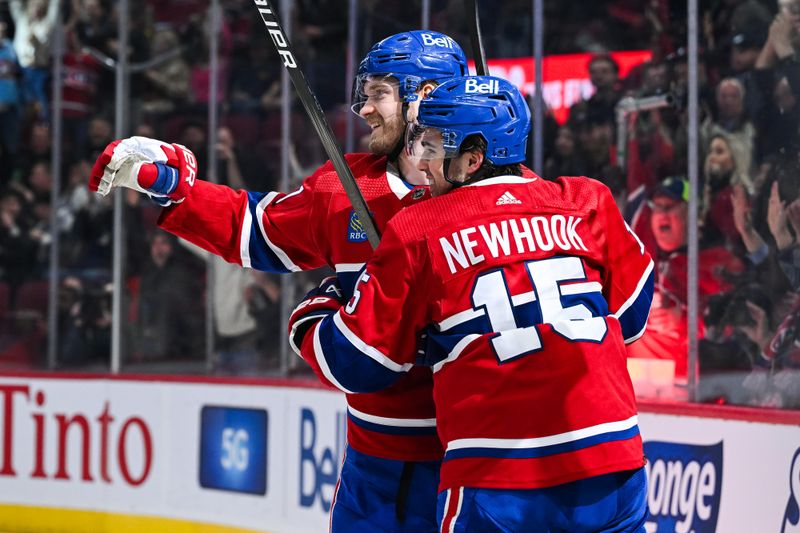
column 113, row 455
column 93, row 454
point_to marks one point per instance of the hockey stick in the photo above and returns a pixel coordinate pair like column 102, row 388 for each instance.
column 478, row 55
column 284, row 47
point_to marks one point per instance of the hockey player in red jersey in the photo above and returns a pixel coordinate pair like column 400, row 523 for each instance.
column 527, row 291
column 390, row 473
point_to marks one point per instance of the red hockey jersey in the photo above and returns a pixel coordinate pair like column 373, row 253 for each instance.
column 306, row 229
column 528, row 291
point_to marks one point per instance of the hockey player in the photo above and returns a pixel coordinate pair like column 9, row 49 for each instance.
column 528, row 291
column 390, row 473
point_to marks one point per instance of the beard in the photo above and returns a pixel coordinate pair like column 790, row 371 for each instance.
column 384, row 141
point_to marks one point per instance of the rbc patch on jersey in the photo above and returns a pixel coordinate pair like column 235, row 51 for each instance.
column 355, row 230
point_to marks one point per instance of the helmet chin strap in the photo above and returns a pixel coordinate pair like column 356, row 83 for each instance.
column 394, row 155
column 446, row 169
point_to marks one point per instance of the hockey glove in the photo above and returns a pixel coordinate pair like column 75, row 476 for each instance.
column 165, row 172
column 320, row 302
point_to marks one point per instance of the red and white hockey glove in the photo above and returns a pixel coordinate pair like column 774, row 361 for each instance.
column 320, row 302
column 163, row 171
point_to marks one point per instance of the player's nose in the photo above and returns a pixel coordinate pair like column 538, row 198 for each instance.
column 366, row 110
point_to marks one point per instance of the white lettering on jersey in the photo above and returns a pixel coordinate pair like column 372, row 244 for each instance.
column 528, row 234
column 490, row 87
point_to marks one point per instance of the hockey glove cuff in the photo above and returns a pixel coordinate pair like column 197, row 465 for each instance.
column 165, row 172
column 319, row 303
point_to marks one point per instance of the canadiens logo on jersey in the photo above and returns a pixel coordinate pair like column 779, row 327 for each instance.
column 355, row 230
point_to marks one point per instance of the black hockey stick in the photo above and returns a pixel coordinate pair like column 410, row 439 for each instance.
column 284, row 47
column 478, row 55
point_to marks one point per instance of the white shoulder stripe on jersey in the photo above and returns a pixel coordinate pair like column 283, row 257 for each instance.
column 639, row 286
column 323, row 363
column 456, row 351
column 244, row 239
column 348, row 267
column 580, row 288
column 540, row 442
column 459, row 318
column 524, row 298
column 366, row 349
column 396, row 422
column 465, row 316
column 277, row 251
column 295, row 193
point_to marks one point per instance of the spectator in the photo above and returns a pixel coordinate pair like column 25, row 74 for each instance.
column 239, row 168
column 566, row 159
column 92, row 25
column 667, row 330
column 731, row 116
column 33, row 29
column 166, row 87
column 9, row 103
column 727, row 164
column 74, row 199
column 650, row 152
column 745, row 48
column 84, row 321
column 596, row 139
column 169, row 325
column 80, row 90
column 322, row 25
column 777, row 78
column 17, row 247
column 604, row 75
column 100, row 134
column 255, row 82
column 37, row 149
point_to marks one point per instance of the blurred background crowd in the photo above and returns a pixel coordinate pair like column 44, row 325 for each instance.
column 748, row 72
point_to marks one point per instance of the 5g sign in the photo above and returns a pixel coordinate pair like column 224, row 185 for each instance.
column 235, row 453
column 233, row 449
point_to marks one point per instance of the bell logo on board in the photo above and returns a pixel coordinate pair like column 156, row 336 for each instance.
column 319, row 460
column 791, row 518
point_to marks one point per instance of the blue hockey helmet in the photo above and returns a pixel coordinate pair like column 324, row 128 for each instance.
column 473, row 105
column 411, row 58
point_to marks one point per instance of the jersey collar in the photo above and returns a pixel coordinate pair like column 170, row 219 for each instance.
column 398, row 185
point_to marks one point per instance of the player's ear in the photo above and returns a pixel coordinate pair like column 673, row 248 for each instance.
column 474, row 161
column 422, row 92
column 427, row 87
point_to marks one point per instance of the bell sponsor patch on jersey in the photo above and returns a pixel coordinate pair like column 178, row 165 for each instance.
column 355, row 229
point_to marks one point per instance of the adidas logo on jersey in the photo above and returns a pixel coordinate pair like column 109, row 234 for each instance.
column 507, row 198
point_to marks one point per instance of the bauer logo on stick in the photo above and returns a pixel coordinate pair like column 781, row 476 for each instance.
column 276, row 33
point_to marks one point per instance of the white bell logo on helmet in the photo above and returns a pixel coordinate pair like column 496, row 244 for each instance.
column 490, row 87
column 431, row 40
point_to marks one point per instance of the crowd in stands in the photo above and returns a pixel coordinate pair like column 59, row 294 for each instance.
column 749, row 141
